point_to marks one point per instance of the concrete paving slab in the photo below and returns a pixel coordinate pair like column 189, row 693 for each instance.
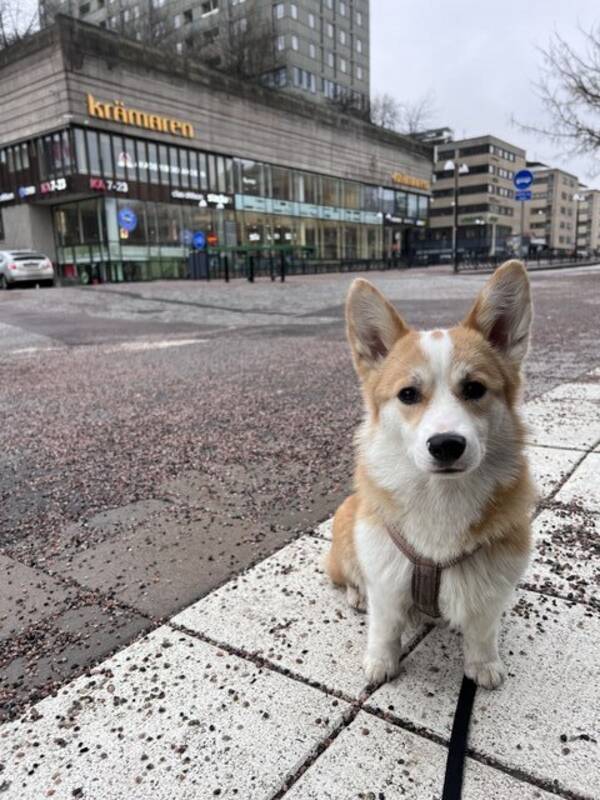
column 27, row 596
column 130, row 515
column 292, row 616
column 168, row 717
column 169, row 562
column 543, row 720
column 581, row 390
column 583, row 487
column 58, row 650
column 567, row 555
column 373, row 759
column 325, row 529
column 550, row 466
column 559, row 421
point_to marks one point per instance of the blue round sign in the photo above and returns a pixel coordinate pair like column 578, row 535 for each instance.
column 523, row 179
column 127, row 219
column 199, row 240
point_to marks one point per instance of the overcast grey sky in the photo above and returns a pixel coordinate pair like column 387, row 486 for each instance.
column 480, row 59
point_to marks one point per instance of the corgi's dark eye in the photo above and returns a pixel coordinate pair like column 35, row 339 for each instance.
column 409, row 395
column 473, row 390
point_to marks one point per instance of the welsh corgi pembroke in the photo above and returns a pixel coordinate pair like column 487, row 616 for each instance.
column 439, row 525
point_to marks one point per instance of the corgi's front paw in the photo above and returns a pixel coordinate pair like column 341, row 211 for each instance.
column 381, row 667
column 488, row 674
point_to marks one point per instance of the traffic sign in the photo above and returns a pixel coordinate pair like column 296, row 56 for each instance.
column 199, row 240
column 524, row 195
column 523, row 179
column 127, row 219
column 212, row 239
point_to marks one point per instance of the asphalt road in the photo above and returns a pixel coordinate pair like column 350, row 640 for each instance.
column 158, row 438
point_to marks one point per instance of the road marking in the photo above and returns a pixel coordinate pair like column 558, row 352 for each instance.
column 162, row 345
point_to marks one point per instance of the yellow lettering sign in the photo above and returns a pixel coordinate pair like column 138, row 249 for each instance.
column 408, row 180
column 117, row 112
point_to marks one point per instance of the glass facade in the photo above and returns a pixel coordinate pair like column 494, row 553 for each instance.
column 98, row 182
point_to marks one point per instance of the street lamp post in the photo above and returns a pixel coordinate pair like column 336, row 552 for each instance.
column 463, row 169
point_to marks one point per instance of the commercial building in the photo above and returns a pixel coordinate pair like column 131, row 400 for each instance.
column 111, row 162
column 319, row 48
column 552, row 212
column 479, row 171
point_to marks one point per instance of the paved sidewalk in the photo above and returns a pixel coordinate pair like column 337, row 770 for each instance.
column 256, row 691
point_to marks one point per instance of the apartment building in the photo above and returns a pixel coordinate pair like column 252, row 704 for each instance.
column 319, row 48
column 488, row 215
column 552, row 212
column 588, row 221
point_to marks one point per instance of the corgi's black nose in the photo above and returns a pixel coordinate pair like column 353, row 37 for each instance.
column 446, row 447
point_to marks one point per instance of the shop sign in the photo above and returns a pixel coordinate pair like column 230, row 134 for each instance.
column 199, row 240
column 58, row 185
column 127, row 219
column 25, row 191
column 118, row 112
column 371, row 217
column 308, row 210
column 204, row 199
column 250, row 203
column 326, row 212
column 106, row 185
column 284, row 207
column 6, row 197
column 349, row 215
column 400, row 179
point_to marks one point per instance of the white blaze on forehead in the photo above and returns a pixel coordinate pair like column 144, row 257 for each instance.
column 437, row 346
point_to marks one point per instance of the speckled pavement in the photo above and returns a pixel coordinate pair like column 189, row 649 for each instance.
column 256, row 690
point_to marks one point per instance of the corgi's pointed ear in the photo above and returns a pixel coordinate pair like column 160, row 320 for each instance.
column 502, row 311
column 373, row 325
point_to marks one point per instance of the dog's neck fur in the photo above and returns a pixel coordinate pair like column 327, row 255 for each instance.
column 442, row 518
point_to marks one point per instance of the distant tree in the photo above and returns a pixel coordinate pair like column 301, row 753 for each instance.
column 18, row 21
column 569, row 88
column 244, row 47
column 409, row 117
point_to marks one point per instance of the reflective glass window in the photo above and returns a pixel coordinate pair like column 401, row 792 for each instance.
column 401, row 204
column 163, row 162
column 153, row 163
column 331, row 191
column 106, row 155
column 118, row 161
column 174, row 166
column 280, row 183
column 185, row 168
column 202, row 170
column 351, row 194
column 142, row 161
column 220, row 173
column 128, row 159
column 413, row 206
column 90, row 227
column 93, row 153
column 80, row 154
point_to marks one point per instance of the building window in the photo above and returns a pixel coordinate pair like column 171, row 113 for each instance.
column 177, row 20
column 84, row 9
column 342, row 37
column 359, row 73
column 188, row 16
column 329, row 3
column 330, row 30
column 279, row 10
column 293, row 11
column 312, row 50
column 312, row 21
column 330, row 59
column 209, row 7
column 294, row 42
column 343, row 65
column 240, row 25
column 179, row 47
column 342, row 8
column 280, row 43
column 136, row 12
column 359, row 47
column 211, row 35
column 359, row 18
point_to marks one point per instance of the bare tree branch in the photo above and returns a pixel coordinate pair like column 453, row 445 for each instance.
column 409, row 117
column 18, row 21
column 569, row 89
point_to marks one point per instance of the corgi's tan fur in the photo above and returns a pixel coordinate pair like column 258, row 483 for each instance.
column 425, row 392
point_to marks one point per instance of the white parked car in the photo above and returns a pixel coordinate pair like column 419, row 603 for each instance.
column 24, row 266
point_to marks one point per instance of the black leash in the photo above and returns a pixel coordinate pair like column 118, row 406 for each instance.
column 457, row 748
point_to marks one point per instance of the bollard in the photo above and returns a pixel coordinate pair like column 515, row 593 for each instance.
column 282, row 266
column 226, row 265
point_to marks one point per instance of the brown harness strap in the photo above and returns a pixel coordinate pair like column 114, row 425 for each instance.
column 427, row 574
